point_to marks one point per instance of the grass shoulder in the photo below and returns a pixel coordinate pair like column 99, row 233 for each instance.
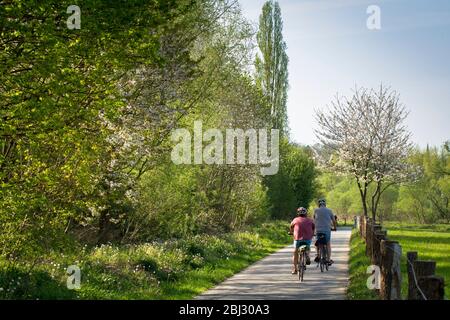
column 173, row 269
column 358, row 263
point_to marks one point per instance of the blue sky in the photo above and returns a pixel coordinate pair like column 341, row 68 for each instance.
column 331, row 51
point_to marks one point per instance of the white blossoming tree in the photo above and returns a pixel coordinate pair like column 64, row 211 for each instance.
column 367, row 138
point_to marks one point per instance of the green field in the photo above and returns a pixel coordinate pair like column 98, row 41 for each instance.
column 432, row 242
column 177, row 269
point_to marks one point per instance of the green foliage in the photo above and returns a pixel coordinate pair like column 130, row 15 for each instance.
column 196, row 203
column 295, row 184
column 85, row 168
column 87, row 114
column 271, row 67
column 423, row 200
column 16, row 283
column 58, row 86
column 156, row 270
column 342, row 195
column 427, row 199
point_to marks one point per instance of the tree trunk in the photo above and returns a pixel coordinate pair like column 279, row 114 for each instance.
column 375, row 200
column 103, row 227
column 363, row 195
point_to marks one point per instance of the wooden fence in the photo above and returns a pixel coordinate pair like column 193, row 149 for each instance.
column 423, row 284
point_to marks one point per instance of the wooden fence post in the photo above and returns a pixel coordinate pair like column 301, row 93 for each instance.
column 421, row 269
column 432, row 287
column 373, row 241
column 379, row 235
column 391, row 277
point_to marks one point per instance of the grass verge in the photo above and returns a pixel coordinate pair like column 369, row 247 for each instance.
column 358, row 263
column 175, row 269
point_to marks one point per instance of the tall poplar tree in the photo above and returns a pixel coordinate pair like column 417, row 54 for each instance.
column 272, row 78
column 272, row 64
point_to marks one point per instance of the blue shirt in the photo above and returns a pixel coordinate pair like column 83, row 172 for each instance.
column 323, row 218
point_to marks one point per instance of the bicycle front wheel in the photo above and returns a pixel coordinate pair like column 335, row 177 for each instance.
column 300, row 267
column 304, row 265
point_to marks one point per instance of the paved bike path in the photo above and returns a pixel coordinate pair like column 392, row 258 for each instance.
column 270, row 277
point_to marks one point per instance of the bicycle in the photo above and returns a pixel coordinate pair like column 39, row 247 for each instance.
column 321, row 243
column 302, row 258
column 301, row 263
column 323, row 252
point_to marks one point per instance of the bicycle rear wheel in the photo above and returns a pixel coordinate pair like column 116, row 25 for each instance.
column 325, row 256
column 322, row 258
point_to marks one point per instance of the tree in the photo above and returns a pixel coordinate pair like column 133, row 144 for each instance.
column 295, row 183
column 222, row 95
column 368, row 139
column 271, row 67
column 429, row 196
column 75, row 133
column 55, row 83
